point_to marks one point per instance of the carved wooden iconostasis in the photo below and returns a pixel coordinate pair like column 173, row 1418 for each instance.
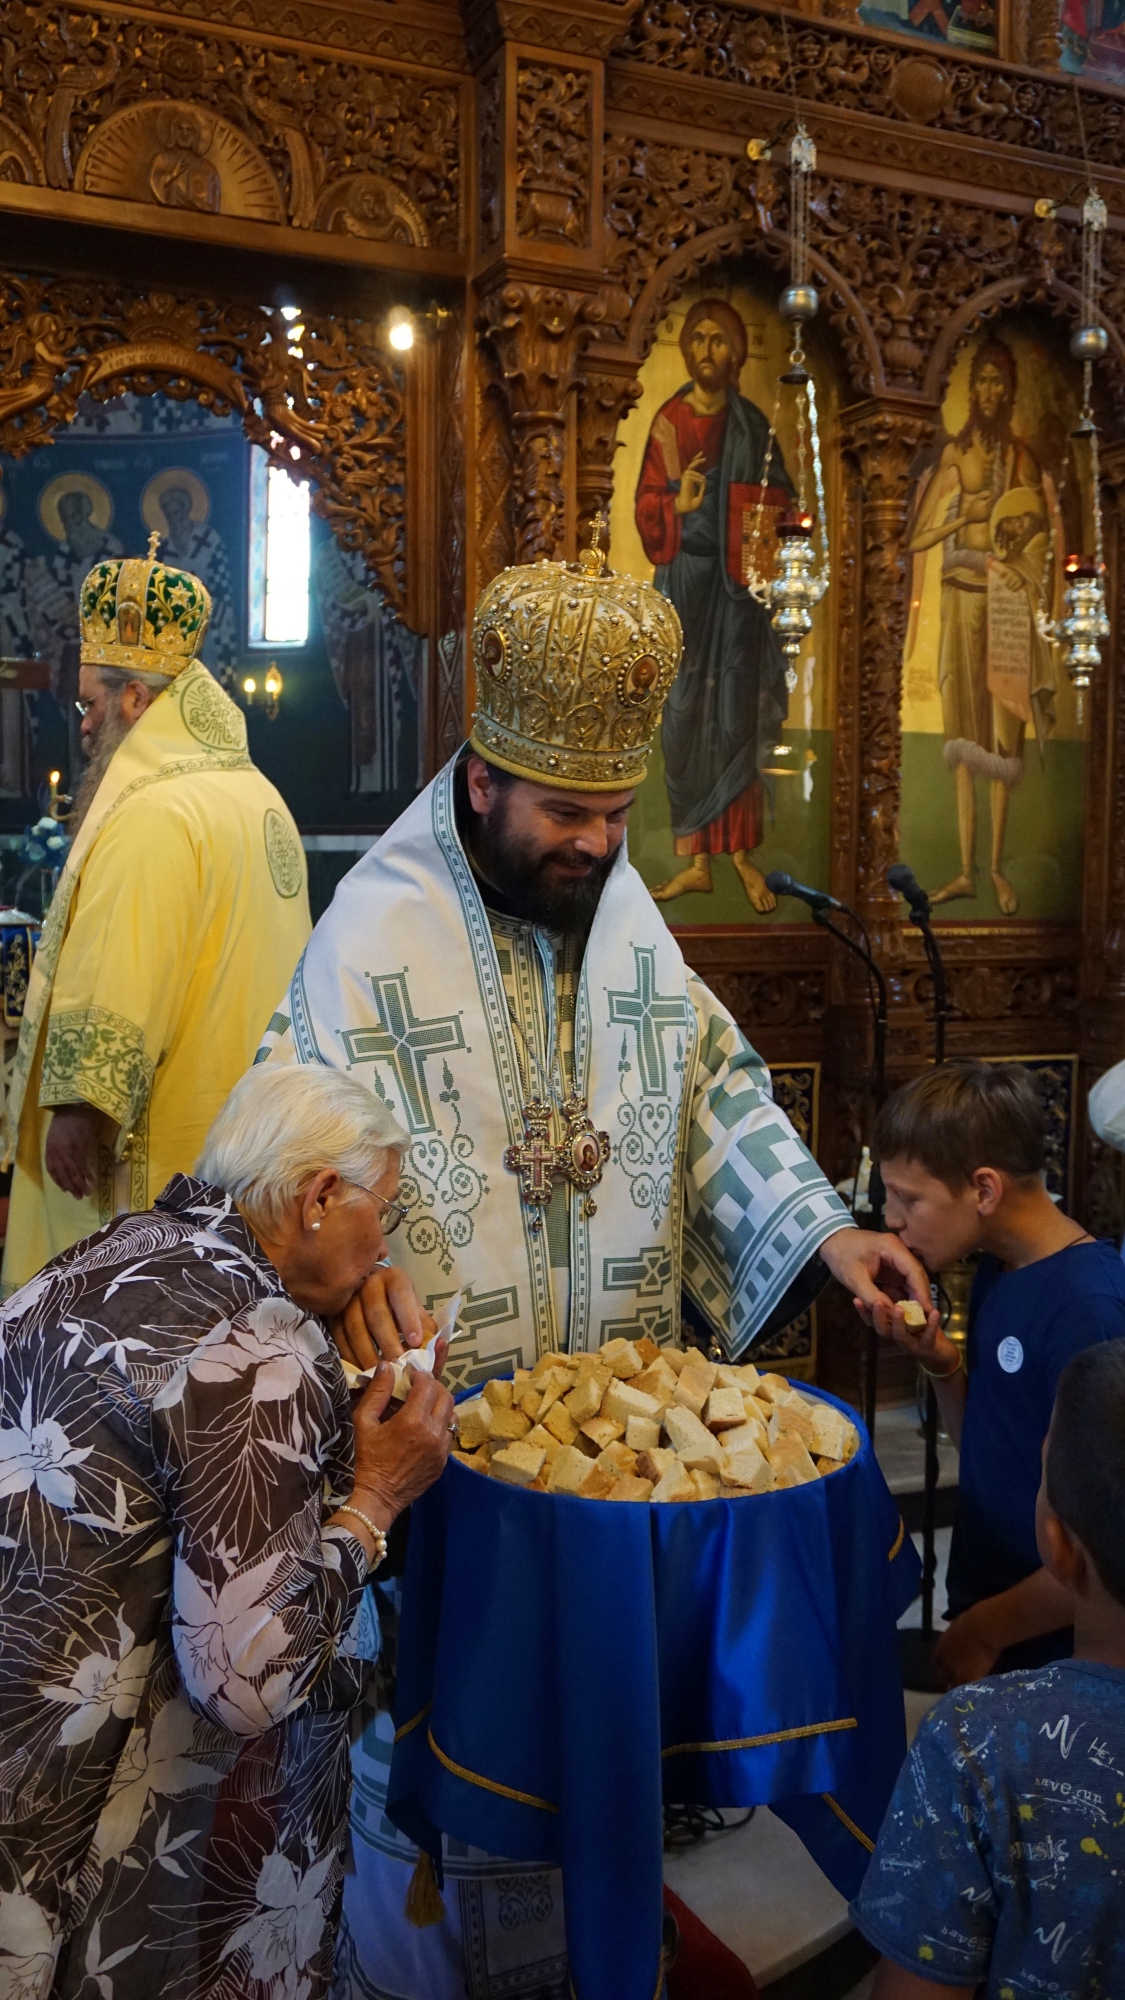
column 209, row 213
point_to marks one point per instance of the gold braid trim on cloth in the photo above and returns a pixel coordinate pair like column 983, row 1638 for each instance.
column 488, row 1784
column 849, row 1823
column 898, row 1540
column 757, row 1742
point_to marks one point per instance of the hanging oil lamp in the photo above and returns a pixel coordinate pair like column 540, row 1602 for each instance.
column 801, row 570
column 1084, row 624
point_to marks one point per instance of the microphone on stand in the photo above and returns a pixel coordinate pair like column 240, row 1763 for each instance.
column 822, row 906
column 780, row 884
column 906, row 884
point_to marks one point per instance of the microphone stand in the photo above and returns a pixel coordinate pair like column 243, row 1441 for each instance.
column 877, row 997
column 919, row 915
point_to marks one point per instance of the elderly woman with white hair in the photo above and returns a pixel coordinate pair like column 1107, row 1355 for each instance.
column 189, row 1510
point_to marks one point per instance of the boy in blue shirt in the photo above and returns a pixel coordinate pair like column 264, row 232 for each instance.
column 961, row 1150
column 1000, row 1868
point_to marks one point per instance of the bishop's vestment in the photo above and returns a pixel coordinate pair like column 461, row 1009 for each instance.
column 180, row 914
column 459, row 1018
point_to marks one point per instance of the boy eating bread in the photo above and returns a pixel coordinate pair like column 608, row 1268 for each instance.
column 962, row 1150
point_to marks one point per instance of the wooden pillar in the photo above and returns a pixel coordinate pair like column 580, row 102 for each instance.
column 539, row 254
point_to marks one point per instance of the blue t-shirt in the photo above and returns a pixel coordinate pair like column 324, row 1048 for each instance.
column 1024, row 1326
column 1002, row 1856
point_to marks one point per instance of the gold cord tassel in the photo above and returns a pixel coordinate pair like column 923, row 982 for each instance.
column 423, row 1905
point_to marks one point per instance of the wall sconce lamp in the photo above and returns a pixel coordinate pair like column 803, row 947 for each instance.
column 400, row 329
column 268, row 696
column 404, row 328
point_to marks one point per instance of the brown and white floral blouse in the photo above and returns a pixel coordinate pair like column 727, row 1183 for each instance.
column 181, row 1639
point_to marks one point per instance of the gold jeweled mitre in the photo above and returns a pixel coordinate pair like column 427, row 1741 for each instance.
column 139, row 615
column 573, row 664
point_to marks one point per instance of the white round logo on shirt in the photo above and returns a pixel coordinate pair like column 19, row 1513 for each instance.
column 1010, row 1355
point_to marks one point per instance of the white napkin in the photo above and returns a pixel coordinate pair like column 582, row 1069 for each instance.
column 415, row 1357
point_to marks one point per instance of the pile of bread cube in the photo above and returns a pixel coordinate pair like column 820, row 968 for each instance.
column 640, row 1422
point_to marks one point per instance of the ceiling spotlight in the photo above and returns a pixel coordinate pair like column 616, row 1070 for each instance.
column 400, row 330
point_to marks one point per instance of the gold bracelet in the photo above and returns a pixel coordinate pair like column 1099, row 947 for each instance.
column 377, row 1534
column 947, row 1373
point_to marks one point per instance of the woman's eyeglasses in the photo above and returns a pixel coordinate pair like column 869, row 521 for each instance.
column 393, row 1211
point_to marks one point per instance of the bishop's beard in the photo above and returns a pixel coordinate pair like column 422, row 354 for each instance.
column 526, row 880
column 109, row 738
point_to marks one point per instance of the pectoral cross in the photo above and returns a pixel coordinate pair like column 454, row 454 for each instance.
column 535, row 1159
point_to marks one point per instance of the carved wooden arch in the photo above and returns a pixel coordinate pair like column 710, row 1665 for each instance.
column 1028, row 288
column 327, row 406
column 742, row 237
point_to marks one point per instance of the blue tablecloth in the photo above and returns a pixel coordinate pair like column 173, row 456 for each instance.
column 566, row 1665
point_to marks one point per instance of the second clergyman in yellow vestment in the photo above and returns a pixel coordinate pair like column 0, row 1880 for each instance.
column 178, row 919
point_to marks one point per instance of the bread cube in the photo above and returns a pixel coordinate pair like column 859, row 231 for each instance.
column 642, row 1433
column 757, row 1412
column 499, row 1394
column 569, row 1471
column 826, row 1465
column 519, row 1463
column 691, row 1440
column 591, row 1364
column 737, row 1375
column 755, row 1434
column 677, row 1484
column 723, row 1410
column 630, row 1488
column 657, row 1380
column 474, row 1422
column 692, row 1390
column 833, row 1436
column 554, row 1383
column 676, row 1357
column 621, row 1358
column 705, row 1483
column 792, row 1419
column 747, row 1468
column 507, row 1425
column 585, row 1399
column 560, row 1423
column 654, row 1464
column 529, row 1401
column 648, row 1350
column 622, row 1401
column 545, row 1364
column 913, row 1315
column 597, row 1485
column 788, row 1453
column 773, row 1389
column 617, row 1459
column 601, row 1431
column 477, row 1461
column 791, row 1475
column 546, row 1440
column 520, row 1379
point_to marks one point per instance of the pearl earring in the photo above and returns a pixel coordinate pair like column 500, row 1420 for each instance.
column 314, row 1225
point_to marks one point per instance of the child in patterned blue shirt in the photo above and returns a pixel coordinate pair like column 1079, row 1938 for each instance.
column 1000, row 1868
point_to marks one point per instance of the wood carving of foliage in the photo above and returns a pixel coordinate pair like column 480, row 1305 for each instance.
column 335, row 415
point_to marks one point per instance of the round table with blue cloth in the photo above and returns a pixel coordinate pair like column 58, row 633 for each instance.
column 566, row 1666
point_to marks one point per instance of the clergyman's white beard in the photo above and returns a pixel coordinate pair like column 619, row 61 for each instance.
column 110, row 736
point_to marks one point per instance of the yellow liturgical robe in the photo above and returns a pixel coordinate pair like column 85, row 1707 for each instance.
column 178, row 920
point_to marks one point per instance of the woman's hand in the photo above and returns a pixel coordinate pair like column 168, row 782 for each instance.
column 397, row 1459
column 382, row 1320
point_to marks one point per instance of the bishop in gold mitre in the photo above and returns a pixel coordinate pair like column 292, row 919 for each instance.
column 180, row 913
column 592, row 1132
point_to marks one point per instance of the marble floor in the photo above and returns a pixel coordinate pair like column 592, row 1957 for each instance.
column 755, row 1886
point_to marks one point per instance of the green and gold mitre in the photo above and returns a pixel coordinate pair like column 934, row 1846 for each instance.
column 573, row 665
column 138, row 615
